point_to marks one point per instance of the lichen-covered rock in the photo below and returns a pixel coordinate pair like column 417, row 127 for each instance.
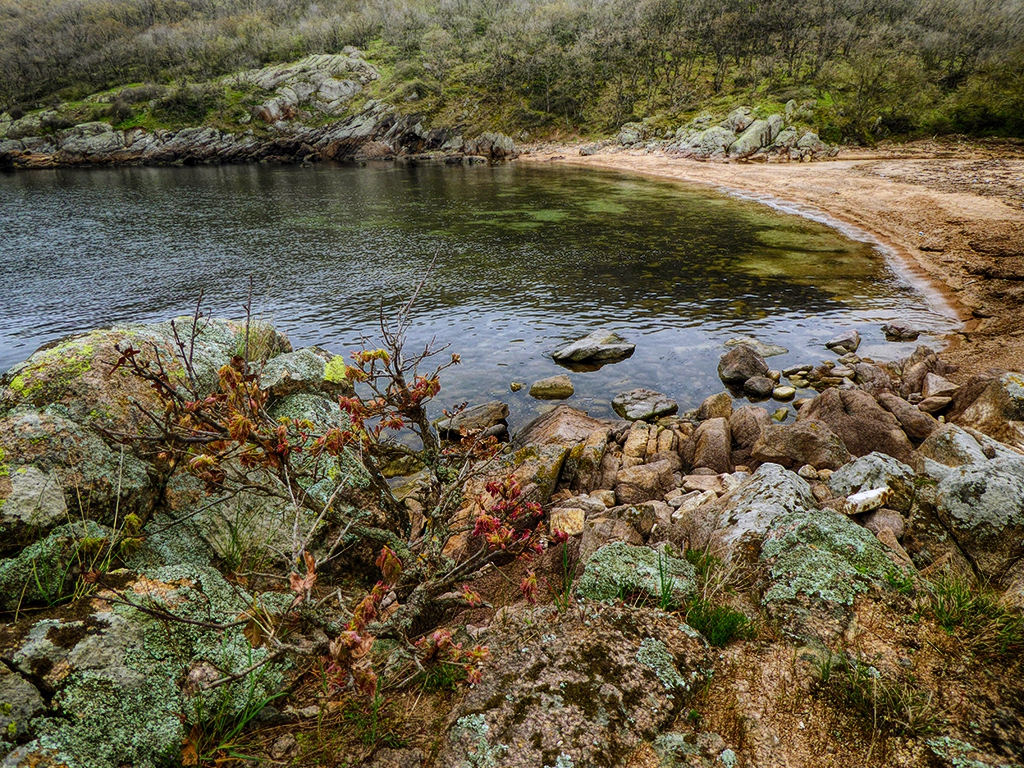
column 618, row 571
column 127, row 685
column 304, row 370
column 78, row 372
column 96, row 480
column 44, row 573
column 822, row 555
column 20, row 701
column 582, row 468
column 982, row 505
column 575, row 690
column 876, row 470
column 739, row 521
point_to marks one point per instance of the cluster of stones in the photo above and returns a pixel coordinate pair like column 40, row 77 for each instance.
column 309, row 114
column 740, row 136
column 821, row 513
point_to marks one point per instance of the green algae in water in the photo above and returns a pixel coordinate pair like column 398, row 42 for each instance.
column 544, row 254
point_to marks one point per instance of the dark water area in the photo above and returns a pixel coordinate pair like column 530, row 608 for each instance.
column 526, row 258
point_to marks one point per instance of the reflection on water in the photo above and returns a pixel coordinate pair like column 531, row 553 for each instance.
column 525, row 258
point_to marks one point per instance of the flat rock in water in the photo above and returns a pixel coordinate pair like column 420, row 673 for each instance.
column 477, row 417
column 643, row 405
column 848, row 341
column 552, row 388
column 598, row 347
column 764, row 350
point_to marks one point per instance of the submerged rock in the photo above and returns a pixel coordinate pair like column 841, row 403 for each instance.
column 763, row 349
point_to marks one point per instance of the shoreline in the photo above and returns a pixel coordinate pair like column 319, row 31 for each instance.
column 952, row 220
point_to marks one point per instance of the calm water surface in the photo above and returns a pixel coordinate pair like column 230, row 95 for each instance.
column 526, row 258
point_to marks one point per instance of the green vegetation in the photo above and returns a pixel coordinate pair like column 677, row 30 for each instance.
column 864, row 68
column 891, row 704
column 976, row 615
column 708, row 613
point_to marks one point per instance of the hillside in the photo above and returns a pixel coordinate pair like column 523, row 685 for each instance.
column 536, row 68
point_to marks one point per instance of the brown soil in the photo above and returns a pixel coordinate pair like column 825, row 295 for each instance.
column 952, row 212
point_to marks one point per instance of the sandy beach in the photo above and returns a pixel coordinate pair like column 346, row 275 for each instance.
column 951, row 213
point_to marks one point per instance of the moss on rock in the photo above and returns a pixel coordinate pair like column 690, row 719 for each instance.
column 618, row 571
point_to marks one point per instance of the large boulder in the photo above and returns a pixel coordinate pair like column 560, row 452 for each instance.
column 953, row 446
column 982, row 505
column 564, row 426
column 815, row 564
column 860, row 422
column 579, row 689
column 79, row 372
column 124, row 686
column 759, row 134
column 53, row 470
column 734, row 526
column 808, row 441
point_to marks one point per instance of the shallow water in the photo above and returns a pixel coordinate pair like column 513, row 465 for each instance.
column 526, row 258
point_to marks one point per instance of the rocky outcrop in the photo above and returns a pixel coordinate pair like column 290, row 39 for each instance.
column 307, row 115
column 739, row 136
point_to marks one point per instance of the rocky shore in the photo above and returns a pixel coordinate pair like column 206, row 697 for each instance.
column 310, row 110
column 730, row 589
